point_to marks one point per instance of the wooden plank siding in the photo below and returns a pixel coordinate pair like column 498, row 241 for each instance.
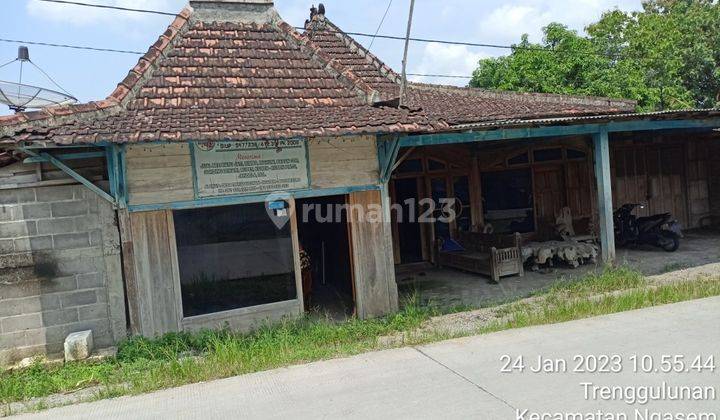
column 159, row 173
column 713, row 168
column 19, row 174
column 162, row 173
column 154, row 274
column 375, row 289
column 343, row 162
column 669, row 173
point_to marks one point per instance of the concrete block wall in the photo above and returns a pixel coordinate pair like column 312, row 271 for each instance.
column 60, row 270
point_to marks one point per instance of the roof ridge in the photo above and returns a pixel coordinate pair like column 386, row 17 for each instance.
column 127, row 88
column 343, row 73
column 354, row 46
column 540, row 97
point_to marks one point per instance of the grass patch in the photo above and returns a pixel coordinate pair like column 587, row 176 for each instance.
column 558, row 307
column 144, row 365
column 148, row 364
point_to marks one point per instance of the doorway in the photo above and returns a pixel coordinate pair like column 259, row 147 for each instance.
column 508, row 200
column 408, row 229
column 327, row 269
column 549, row 187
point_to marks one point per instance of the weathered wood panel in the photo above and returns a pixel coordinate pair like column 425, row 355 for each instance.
column 245, row 319
column 579, row 188
column 155, row 294
column 698, row 182
column 19, row 173
column 159, row 173
column 653, row 175
column 549, row 193
column 714, row 179
column 375, row 288
column 343, row 161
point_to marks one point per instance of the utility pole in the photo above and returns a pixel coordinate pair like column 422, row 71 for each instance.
column 403, row 82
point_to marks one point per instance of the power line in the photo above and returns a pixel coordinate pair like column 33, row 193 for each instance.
column 363, row 34
column 107, row 6
column 95, row 49
column 381, row 23
column 75, row 47
column 447, row 76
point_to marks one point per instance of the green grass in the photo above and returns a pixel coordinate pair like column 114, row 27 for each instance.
column 575, row 302
column 144, row 365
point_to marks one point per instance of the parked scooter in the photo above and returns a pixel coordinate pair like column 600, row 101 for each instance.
column 660, row 230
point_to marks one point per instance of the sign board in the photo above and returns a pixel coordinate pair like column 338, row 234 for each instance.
column 249, row 167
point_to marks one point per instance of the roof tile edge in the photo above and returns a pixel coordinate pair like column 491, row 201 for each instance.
column 355, row 46
column 331, row 65
column 127, row 88
column 623, row 104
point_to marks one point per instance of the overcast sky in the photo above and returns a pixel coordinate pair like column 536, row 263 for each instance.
column 93, row 75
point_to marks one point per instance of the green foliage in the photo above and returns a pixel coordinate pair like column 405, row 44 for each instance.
column 665, row 57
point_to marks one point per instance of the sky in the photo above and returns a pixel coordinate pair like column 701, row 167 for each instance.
column 93, row 75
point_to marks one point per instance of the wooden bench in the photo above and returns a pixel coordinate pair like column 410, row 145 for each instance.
column 494, row 255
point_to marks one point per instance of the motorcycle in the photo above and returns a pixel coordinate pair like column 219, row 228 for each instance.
column 660, row 230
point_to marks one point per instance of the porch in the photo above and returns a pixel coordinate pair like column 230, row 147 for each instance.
column 523, row 180
column 447, row 287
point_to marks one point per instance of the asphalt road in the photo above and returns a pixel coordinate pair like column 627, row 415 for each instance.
column 463, row 379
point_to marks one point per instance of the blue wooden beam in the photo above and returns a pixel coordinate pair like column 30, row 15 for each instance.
column 387, row 151
column 111, row 159
column 121, row 171
column 604, row 188
column 553, row 131
column 66, row 156
column 246, row 199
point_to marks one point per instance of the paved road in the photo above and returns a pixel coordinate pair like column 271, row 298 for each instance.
column 459, row 378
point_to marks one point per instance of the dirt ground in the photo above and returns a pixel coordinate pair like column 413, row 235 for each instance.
column 447, row 287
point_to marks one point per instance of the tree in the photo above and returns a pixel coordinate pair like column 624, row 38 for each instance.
column 666, row 56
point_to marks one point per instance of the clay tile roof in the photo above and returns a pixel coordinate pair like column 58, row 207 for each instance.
column 206, row 79
column 454, row 105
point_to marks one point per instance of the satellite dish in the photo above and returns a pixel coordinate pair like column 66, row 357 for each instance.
column 19, row 96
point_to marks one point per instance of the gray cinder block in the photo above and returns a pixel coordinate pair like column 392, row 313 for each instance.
column 78, row 345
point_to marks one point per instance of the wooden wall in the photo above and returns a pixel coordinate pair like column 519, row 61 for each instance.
column 669, row 173
column 698, row 183
column 714, row 179
column 375, row 288
column 159, row 173
column 20, row 174
column 343, row 161
column 151, row 276
column 162, row 173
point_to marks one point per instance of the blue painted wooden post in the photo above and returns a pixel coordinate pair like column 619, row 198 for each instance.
column 604, row 188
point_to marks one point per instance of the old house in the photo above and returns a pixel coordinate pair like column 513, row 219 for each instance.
column 171, row 205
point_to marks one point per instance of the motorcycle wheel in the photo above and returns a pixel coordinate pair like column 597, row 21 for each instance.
column 670, row 241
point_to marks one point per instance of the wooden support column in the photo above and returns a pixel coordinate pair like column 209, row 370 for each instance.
column 375, row 288
column 604, row 188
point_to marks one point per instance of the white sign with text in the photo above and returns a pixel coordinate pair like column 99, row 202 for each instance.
column 249, row 167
